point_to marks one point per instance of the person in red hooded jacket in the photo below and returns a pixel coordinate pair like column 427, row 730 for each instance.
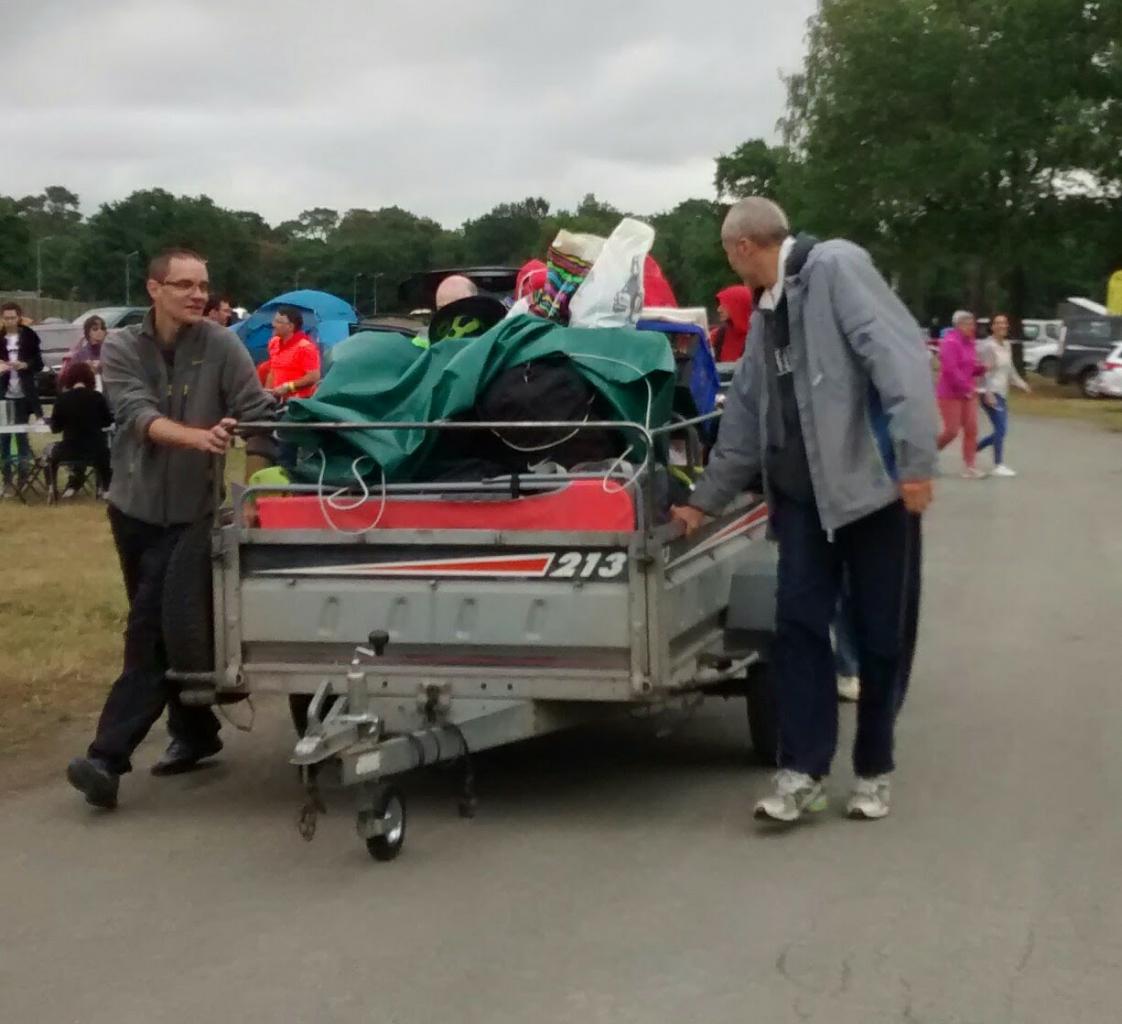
column 531, row 278
column 656, row 289
column 731, row 336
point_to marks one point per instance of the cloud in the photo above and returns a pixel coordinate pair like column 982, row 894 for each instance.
column 442, row 108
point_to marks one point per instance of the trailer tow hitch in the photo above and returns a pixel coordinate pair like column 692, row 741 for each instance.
column 347, row 726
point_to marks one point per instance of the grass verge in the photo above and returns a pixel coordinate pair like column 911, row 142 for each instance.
column 1051, row 400
column 62, row 604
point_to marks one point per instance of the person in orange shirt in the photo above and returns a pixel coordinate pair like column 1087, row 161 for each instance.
column 294, row 366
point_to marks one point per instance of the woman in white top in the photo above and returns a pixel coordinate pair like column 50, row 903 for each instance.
column 1000, row 373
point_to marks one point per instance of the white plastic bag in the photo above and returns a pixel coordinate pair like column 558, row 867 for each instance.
column 612, row 294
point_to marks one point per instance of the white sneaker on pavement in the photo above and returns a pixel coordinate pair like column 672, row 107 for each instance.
column 973, row 474
column 870, row 799
column 1003, row 470
column 849, row 689
column 794, row 794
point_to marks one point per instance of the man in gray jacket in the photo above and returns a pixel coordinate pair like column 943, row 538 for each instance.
column 177, row 384
column 832, row 413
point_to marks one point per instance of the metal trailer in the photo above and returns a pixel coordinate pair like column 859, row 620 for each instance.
column 421, row 646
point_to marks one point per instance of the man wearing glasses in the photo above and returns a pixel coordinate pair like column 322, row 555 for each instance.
column 177, row 383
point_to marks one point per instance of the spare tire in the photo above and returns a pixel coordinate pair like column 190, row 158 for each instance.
column 188, row 612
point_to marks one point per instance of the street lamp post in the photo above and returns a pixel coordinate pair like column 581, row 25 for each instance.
column 128, row 277
column 296, row 280
column 376, row 277
column 39, row 265
column 354, row 290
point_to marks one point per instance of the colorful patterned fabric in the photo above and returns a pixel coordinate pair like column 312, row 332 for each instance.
column 564, row 275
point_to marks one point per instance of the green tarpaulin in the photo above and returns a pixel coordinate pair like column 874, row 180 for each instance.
column 380, row 378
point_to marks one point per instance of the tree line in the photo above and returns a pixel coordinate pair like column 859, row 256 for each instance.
column 974, row 146
column 361, row 255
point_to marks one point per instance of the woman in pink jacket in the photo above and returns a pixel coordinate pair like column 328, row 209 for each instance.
column 959, row 369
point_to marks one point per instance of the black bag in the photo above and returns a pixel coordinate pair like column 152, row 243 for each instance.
column 549, row 390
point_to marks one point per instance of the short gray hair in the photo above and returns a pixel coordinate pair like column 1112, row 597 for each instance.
column 960, row 316
column 757, row 219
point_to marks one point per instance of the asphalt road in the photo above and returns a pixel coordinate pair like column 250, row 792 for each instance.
column 616, row 876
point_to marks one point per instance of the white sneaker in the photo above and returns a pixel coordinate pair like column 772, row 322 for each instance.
column 794, row 794
column 849, row 689
column 973, row 474
column 1003, row 470
column 870, row 799
column 69, row 492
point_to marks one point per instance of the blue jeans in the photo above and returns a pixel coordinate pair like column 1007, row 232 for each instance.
column 845, row 639
column 17, row 447
column 879, row 556
column 999, row 417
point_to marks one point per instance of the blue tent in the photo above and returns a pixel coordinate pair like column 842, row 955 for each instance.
column 327, row 320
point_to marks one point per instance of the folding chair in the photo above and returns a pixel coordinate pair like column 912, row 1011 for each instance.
column 29, row 478
column 85, row 471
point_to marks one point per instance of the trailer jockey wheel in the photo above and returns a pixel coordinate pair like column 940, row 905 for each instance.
column 389, row 809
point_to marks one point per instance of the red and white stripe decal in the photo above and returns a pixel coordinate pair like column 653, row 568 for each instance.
column 507, row 566
column 738, row 527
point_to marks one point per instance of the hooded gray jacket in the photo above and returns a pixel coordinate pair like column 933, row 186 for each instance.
column 863, row 386
column 213, row 376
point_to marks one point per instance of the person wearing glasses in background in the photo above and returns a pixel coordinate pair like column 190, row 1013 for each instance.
column 294, row 370
column 177, row 384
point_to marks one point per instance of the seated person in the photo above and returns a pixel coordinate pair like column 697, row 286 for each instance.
column 81, row 414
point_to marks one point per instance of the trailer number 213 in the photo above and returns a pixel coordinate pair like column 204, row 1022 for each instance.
column 589, row 565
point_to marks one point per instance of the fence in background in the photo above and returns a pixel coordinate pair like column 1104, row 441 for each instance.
column 39, row 307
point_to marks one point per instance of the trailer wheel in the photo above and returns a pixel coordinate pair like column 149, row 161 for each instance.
column 390, row 807
column 763, row 715
column 188, row 602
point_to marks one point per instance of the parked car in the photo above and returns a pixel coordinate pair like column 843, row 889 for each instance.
column 1038, row 331
column 1107, row 383
column 1086, row 341
column 1043, row 357
column 59, row 336
column 419, row 291
column 1042, row 346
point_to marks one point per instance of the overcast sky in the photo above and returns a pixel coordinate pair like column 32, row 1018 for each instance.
column 442, row 108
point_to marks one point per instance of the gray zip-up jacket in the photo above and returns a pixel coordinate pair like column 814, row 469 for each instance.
column 213, row 376
column 863, row 386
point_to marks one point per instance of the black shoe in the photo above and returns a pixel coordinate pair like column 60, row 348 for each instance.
column 90, row 776
column 181, row 757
